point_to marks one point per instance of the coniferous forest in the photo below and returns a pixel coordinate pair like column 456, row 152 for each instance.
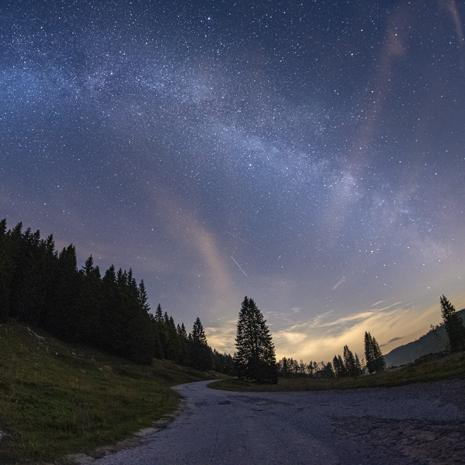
column 109, row 310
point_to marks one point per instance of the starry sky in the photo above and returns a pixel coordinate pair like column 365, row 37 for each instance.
column 309, row 154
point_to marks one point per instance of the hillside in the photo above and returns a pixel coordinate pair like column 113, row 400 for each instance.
column 57, row 399
column 433, row 341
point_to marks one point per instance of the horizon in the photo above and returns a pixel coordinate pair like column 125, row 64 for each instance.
column 308, row 156
column 362, row 321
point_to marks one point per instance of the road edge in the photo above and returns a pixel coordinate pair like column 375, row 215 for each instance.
column 137, row 439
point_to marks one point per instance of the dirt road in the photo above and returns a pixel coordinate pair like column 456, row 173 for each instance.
column 408, row 425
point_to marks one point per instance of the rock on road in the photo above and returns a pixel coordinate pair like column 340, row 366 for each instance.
column 407, row 425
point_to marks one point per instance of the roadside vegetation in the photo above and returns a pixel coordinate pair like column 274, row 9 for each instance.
column 57, row 399
column 346, row 371
column 72, row 393
column 108, row 310
column 432, row 368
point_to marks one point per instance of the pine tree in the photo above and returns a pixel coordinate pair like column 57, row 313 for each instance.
column 338, row 369
column 4, row 273
column 380, row 364
column 328, row 371
column 311, row 367
column 142, row 296
column 60, row 320
column 198, row 333
column 173, row 344
column 350, row 363
column 159, row 314
column 369, row 353
column 160, row 333
column 343, row 370
column 89, row 304
column 182, row 331
column 373, row 355
column 255, row 356
column 454, row 326
column 201, row 354
column 358, row 365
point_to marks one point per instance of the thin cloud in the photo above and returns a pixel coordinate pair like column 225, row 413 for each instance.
column 453, row 10
column 321, row 337
column 393, row 339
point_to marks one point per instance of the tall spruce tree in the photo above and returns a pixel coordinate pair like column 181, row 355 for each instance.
column 350, row 363
column 89, row 304
column 338, row 365
column 454, row 326
column 380, row 363
column 255, row 354
column 4, row 273
column 369, row 353
column 201, row 353
column 143, row 299
column 373, row 355
column 342, row 367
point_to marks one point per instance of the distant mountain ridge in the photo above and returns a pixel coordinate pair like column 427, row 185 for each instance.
column 433, row 341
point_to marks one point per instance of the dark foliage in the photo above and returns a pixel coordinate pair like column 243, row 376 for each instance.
column 255, row 356
column 200, row 353
column 454, row 326
column 374, row 358
column 346, row 365
column 339, row 366
column 44, row 288
column 351, row 363
column 290, row 368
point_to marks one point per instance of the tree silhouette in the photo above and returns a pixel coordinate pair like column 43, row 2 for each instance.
column 255, row 355
column 44, row 288
column 373, row 356
column 454, row 325
column 350, row 363
column 200, row 351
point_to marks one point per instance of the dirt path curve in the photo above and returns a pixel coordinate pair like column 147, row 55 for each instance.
column 408, row 425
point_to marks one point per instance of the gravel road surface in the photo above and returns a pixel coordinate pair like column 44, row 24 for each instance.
column 408, row 425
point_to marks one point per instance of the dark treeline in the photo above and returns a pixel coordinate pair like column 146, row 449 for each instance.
column 44, row 288
column 255, row 354
column 454, row 326
column 349, row 365
column 291, row 368
column 346, row 365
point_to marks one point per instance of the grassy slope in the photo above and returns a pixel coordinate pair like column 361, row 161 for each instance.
column 56, row 399
column 452, row 366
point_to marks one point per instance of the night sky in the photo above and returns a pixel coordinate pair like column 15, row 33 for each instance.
column 308, row 154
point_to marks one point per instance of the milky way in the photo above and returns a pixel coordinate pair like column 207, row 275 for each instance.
column 308, row 154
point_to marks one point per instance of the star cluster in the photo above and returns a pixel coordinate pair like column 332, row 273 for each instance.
column 309, row 154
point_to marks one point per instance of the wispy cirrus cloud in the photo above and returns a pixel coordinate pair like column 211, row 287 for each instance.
column 324, row 335
column 322, row 338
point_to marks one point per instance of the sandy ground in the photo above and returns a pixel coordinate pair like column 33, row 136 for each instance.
column 414, row 424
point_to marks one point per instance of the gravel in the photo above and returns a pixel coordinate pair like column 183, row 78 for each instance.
column 408, row 425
